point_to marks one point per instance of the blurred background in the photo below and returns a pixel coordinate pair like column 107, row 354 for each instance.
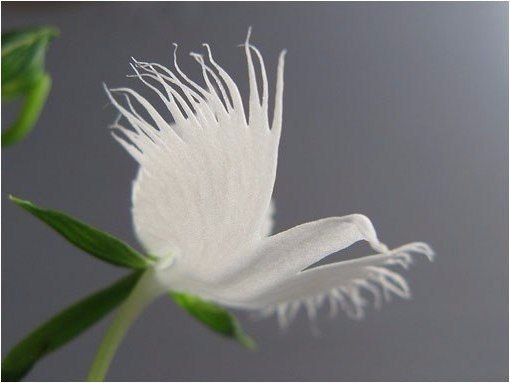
column 397, row 111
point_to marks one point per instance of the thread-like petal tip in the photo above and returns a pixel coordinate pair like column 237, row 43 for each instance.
column 248, row 35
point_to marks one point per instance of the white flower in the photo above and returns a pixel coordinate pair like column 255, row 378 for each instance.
column 202, row 200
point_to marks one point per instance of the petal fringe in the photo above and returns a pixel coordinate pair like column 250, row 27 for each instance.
column 349, row 295
column 207, row 170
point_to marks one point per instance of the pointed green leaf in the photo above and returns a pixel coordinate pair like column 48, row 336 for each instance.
column 213, row 316
column 87, row 238
column 23, row 75
column 65, row 326
column 23, row 53
column 31, row 109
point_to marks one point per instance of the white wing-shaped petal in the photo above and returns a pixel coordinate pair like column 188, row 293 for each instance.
column 283, row 255
column 273, row 277
column 342, row 284
column 205, row 181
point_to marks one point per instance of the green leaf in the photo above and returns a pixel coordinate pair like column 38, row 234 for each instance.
column 213, row 316
column 23, row 53
column 31, row 109
column 65, row 326
column 23, row 75
column 87, row 238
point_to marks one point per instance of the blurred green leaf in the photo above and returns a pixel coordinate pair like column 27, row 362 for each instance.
column 23, row 53
column 213, row 316
column 31, row 109
column 65, row 326
column 23, row 75
column 87, row 238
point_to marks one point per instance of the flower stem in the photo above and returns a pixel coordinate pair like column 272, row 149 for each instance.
column 143, row 293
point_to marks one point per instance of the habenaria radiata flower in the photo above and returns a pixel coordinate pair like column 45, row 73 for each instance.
column 202, row 206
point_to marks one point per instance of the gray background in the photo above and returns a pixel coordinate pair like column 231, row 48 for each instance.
column 397, row 111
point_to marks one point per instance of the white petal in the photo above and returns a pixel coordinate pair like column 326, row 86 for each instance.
column 291, row 251
column 206, row 179
column 273, row 273
column 267, row 228
column 343, row 282
column 278, row 99
column 285, row 254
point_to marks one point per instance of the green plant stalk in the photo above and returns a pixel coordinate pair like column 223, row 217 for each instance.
column 65, row 326
column 30, row 111
column 144, row 293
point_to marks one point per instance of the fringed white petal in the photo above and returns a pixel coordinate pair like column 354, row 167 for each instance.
column 349, row 285
column 273, row 277
column 206, row 178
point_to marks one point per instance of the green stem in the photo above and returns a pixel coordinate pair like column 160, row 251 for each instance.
column 143, row 293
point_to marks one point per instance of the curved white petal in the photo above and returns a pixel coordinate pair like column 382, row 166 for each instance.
column 308, row 243
column 272, row 277
column 342, row 284
column 206, row 179
column 283, row 255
